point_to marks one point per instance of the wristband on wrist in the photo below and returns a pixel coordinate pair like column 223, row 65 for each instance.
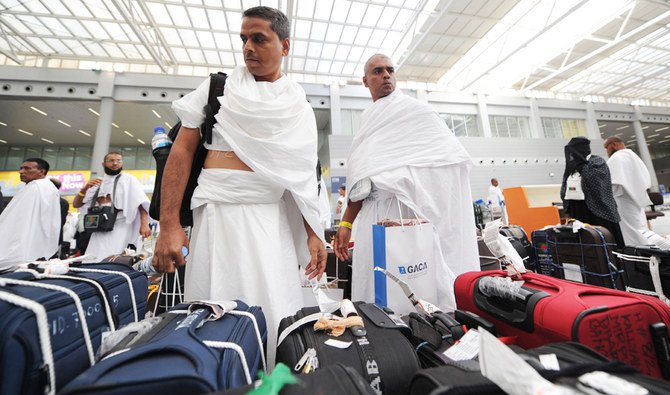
column 346, row 224
column 81, row 194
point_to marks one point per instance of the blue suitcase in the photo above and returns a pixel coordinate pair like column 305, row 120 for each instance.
column 185, row 353
column 75, row 308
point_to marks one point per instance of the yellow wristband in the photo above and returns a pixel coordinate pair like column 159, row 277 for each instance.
column 81, row 194
column 346, row 224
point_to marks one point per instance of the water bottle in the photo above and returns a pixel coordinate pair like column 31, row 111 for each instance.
column 145, row 264
column 160, row 143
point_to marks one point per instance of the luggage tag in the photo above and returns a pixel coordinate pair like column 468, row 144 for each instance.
column 216, row 309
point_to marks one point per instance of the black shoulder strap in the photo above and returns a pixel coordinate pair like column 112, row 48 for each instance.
column 217, row 83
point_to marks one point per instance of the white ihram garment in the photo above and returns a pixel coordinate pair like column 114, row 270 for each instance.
column 29, row 225
column 242, row 246
column 406, row 150
column 630, row 181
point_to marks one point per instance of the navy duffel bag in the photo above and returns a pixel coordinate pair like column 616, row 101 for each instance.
column 51, row 324
column 193, row 349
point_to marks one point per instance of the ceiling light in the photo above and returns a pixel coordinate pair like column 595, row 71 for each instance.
column 24, row 132
column 622, row 127
column 645, row 127
column 3, row 141
column 3, row 124
column 653, row 135
column 168, row 125
column 115, row 125
column 47, row 140
column 64, row 123
column 156, row 114
column 141, row 142
column 618, row 134
column 84, row 133
column 663, row 128
column 93, row 111
column 38, row 110
column 128, row 133
column 602, row 125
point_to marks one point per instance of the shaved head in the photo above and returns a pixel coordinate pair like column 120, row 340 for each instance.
column 613, row 144
column 613, row 139
column 372, row 59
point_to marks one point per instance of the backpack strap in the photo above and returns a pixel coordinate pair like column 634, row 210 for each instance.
column 217, row 83
column 94, row 200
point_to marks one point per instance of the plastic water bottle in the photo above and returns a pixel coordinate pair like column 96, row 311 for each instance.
column 145, row 264
column 160, row 141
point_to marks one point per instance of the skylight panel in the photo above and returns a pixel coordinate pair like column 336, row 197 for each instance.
column 17, row 24
column 159, row 13
column 97, row 29
column 349, row 68
column 41, row 44
column 199, row 18
column 232, row 4
column 348, row 34
column 178, row 15
column 130, row 51
column 113, row 50
column 234, row 21
column 297, row 64
column 98, row 9
column 363, row 36
column 372, row 15
column 329, row 50
column 387, row 18
column 340, row 11
column 217, row 19
column 318, row 31
column 206, row 39
column 237, row 45
column 77, row 8
column 115, row 31
column 171, row 36
column 356, row 13
column 311, row 65
column 55, row 45
column 355, row 54
column 96, row 50
column 323, row 10
column 377, row 38
column 334, row 32
column 142, row 51
column 35, row 25
column 180, row 54
column 273, row 4
column 304, row 8
column 76, row 28
column 78, row 48
column 55, row 26
column 55, row 7
column 336, row 67
column 227, row 58
column 342, row 52
column 324, row 66
column 36, row 7
column 402, row 19
column 395, row 3
column 392, row 40
column 188, row 38
column 411, row 4
column 212, row 57
column 314, row 50
column 222, row 40
column 302, row 28
column 130, row 33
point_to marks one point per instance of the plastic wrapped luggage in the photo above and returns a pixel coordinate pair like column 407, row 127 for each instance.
column 196, row 348
column 334, row 379
column 51, row 325
column 487, row 261
column 383, row 356
column 647, row 271
column 585, row 256
column 520, row 241
column 573, row 360
column 620, row 325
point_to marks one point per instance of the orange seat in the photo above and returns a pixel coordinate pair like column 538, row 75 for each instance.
column 521, row 213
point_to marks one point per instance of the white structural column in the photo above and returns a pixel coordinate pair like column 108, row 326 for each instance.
column 642, row 146
column 536, row 129
column 592, row 129
column 335, row 110
column 103, row 133
column 483, row 124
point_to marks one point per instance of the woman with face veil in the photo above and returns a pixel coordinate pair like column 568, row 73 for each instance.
column 587, row 188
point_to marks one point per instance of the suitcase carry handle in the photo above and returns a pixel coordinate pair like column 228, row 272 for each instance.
column 517, row 310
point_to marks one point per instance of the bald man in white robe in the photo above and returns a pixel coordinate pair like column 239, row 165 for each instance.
column 630, row 181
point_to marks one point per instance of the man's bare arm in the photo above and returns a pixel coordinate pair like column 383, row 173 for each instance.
column 175, row 177
column 343, row 235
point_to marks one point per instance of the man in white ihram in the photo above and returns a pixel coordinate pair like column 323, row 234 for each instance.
column 30, row 224
column 405, row 150
column 132, row 220
column 630, row 181
column 496, row 201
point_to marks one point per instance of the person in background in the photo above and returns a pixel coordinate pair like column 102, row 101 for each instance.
column 132, row 221
column 496, row 201
column 586, row 190
column 341, row 202
column 405, row 151
column 64, row 208
column 630, row 182
column 324, row 203
column 30, row 223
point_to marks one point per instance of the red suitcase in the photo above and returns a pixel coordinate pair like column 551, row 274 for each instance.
column 628, row 327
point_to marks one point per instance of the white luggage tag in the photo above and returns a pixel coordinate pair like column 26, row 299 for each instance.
column 422, row 306
column 217, row 309
column 501, row 247
column 326, row 304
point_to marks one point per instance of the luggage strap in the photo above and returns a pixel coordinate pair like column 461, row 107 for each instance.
column 131, row 290
column 654, row 269
column 43, row 333
column 289, row 329
column 97, row 285
column 77, row 302
column 235, row 347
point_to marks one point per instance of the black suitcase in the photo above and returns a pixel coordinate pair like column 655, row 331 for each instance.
column 574, row 359
column 638, row 267
column 384, row 357
column 487, row 261
column 520, row 242
column 335, row 379
column 586, row 256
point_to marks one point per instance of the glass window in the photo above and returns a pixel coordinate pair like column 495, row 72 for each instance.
column 15, row 158
column 516, row 127
column 524, row 128
column 145, row 159
column 459, row 126
column 50, row 155
column 36, row 152
column 566, row 128
column 65, row 158
column 4, row 152
column 82, row 158
column 129, row 158
column 471, row 125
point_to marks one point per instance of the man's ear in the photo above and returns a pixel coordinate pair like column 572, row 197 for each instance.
column 286, row 46
column 365, row 81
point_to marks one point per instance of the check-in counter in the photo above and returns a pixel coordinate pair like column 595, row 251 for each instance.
column 532, row 206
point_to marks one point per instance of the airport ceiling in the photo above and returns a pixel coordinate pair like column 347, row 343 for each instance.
column 599, row 50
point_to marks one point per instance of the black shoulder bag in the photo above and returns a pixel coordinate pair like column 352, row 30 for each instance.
column 101, row 218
